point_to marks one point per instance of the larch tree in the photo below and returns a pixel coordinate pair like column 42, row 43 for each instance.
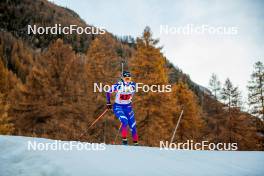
column 103, row 66
column 6, row 126
column 191, row 125
column 50, row 103
column 154, row 110
column 21, row 59
column 103, row 58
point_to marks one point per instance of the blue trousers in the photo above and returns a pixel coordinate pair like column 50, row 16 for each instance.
column 125, row 114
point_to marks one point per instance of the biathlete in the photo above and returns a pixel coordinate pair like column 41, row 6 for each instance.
column 122, row 107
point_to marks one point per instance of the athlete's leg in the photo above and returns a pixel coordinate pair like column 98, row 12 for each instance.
column 120, row 114
column 132, row 122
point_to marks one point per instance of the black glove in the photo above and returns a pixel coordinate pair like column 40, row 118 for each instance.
column 109, row 106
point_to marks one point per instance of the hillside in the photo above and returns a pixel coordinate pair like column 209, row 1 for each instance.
column 18, row 160
column 16, row 15
column 48, row 82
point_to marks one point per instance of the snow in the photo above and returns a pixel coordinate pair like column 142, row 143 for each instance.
column 16, row 159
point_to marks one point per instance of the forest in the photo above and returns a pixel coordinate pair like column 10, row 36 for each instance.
column 47, row 86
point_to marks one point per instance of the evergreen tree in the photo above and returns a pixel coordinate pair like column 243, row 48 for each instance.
column 215, row 120
column 215, row 85
column 231, row 98
column 226, row 123
column 230, row 95
column 256, row 90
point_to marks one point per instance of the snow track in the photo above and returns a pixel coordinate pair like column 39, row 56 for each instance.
column 17, row 160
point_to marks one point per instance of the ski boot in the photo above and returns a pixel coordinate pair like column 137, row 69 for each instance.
column 124, row 141
column 135, row 143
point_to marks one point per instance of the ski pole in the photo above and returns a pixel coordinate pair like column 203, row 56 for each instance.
column 176, row 127
column 94, row 122
column 122, row 69
column 117, row 133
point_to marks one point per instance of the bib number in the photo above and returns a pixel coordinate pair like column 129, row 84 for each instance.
column 125, row 96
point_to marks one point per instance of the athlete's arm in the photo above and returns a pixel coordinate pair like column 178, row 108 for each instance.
column 108, row 94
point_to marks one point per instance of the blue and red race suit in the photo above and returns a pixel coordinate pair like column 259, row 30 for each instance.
column 122, row 107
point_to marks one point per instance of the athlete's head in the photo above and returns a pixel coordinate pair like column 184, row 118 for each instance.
column 126, row 76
